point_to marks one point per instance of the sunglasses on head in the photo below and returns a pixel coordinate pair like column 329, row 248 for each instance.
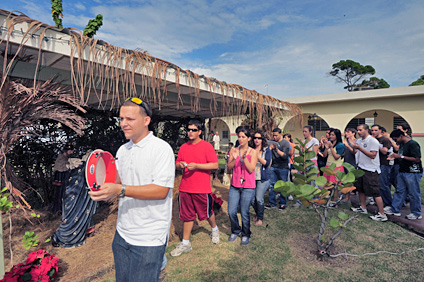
column 192, row 130
column 140, row 102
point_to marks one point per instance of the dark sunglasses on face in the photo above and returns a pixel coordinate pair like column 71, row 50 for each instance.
column 192, row 130
column 259, row 138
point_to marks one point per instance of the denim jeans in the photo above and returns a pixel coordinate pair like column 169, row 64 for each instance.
column 136, row 263
column 394, row 170
column 385, row 191
column 258, row 201
column 242, row 197
column 408, row 183
column 277, row 174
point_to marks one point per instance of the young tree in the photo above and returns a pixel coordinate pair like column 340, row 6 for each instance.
column 375, row 83
column 350, row 72
column 419, row 81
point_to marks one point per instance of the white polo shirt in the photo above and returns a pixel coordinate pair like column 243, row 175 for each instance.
column 364, row 162
column 150, row 161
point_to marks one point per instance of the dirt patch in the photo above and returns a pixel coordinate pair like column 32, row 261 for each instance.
column 304, row 248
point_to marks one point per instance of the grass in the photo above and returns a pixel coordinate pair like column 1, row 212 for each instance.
column 283, row 250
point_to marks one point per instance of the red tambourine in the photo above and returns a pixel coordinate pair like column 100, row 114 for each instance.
column 100, row 168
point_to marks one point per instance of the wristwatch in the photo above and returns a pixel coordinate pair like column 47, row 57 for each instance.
column 122, row 194
column 402, row 157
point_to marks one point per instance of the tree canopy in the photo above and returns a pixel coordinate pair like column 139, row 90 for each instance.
column 375, row 83
column 419, row 81
column 350, row 72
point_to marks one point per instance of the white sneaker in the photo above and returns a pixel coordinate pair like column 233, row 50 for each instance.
column 379, row 217
column 180, row 249
column 360, row 209
column 388, row 210
column 412, row 216
column 215, row 237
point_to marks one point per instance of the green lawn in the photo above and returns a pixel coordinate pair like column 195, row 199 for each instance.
column 283, row 250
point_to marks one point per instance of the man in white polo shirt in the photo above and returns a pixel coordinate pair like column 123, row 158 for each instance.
column 367, row 159
column 146, row 171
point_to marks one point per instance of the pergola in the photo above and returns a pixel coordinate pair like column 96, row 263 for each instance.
column 102, row 75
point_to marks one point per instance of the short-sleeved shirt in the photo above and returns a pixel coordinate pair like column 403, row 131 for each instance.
column 410, row 149
column 281, row 161
column 364, row 162
column 340, row 148
column 197, row 180
column 385, row 142
column 150, row 161
column 349, row 157
column 313, row 142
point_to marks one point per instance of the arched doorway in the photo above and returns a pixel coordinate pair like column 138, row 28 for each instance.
column 387, row 119
column 224, row 132
column 295, row 128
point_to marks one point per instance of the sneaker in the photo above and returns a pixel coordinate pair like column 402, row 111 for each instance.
column 268, row 206
column 180, row 249
column 379, row 217
column 412, row 216
column 244, row 241
column 232, row 238
column 215, row 237
column 360, row 209
column 372, row 202
column 388, row 210
column 280, row 208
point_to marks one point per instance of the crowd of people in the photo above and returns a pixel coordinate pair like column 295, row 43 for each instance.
column 146, row 170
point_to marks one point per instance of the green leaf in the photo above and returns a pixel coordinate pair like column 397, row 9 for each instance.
column 309, row 155
column 299, row 160
column 350, row 177
column 299, row 181
column 313, row 171
column 47, row 240
column 332, row 166
column 358, row 173
column 334, row 223
column 298, row 175
column 301, row 143
column 328, row 171
column 348, row 166
column 298, row 167
column 340, row 175
column 297, row 148
column 309, row 163
column 321, row 181
column 311, row 178
column 342, row 216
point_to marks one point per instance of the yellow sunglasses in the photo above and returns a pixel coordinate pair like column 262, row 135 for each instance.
column 142, row 104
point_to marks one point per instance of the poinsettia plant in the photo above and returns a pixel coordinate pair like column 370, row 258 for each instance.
column 39, row 266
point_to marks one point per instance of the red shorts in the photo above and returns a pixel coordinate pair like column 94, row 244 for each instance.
column 192, row 203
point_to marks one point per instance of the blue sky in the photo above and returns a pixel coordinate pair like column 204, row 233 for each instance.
column 288, row 45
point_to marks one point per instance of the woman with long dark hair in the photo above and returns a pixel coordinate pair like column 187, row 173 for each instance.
column 262, row 174
column 242, row 161
column 334, row 150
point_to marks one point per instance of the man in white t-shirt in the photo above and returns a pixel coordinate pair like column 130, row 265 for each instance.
column 216, row 141
column 146, row 172
column 367, row 159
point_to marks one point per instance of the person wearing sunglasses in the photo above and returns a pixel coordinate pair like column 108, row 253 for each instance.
column 146, row 171
column 262, row 175
column 196, row 158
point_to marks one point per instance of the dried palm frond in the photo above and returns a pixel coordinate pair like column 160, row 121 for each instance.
column 22, row 106
column 112, row 74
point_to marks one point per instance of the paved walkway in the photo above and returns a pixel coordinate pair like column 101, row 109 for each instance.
column 414, row 225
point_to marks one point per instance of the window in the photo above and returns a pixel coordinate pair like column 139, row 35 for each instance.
column 355, row 122
column 321, row 125
column 399, row 120
column 225, row 134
